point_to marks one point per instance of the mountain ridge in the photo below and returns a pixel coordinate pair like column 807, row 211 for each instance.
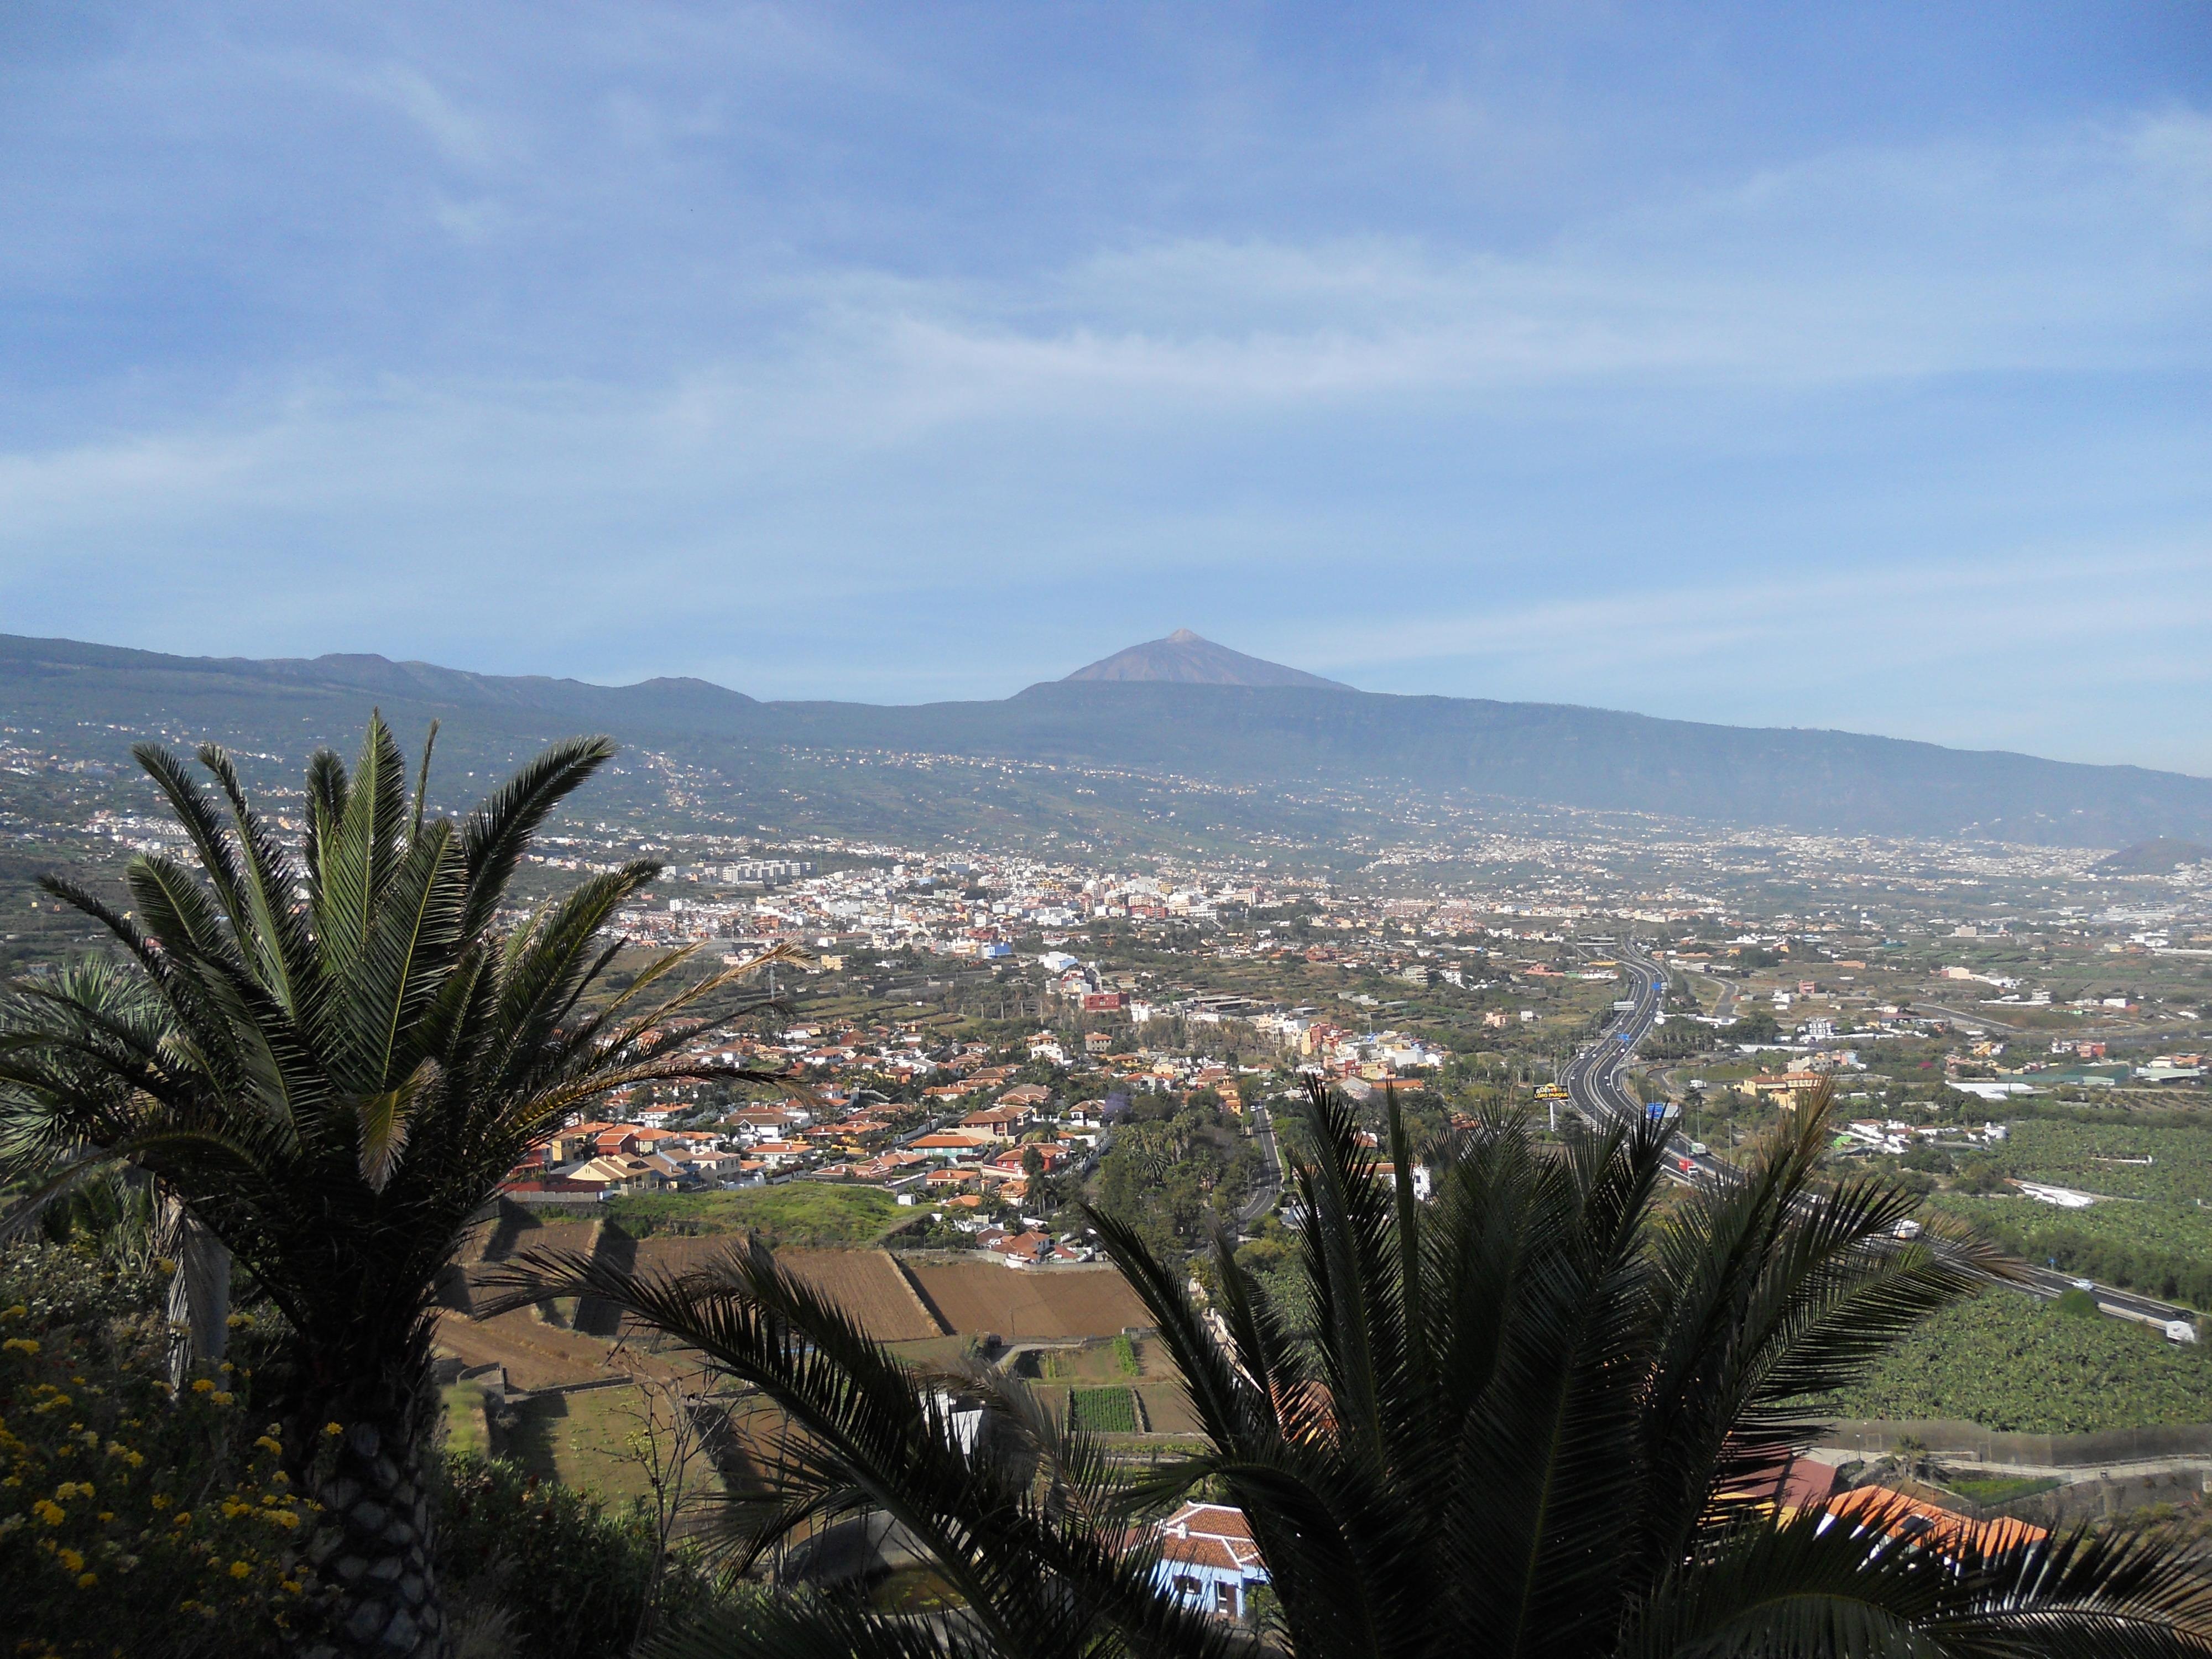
column 1183, row 658
column 1298, row 739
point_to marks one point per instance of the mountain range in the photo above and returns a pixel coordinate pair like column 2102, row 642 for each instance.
column 1180, row 707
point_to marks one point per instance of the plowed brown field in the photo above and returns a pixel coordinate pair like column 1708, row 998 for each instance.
column 866, row 1284
column 1014, row 1304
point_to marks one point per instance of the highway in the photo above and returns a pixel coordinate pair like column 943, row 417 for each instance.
column 1594, row 1089
column 1592, row 1077
column 1264, row 1195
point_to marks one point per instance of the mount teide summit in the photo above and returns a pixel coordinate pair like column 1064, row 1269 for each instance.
column 1184, row 658
column 1179, row 708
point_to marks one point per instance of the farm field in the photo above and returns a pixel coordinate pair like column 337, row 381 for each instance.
column 2161, row 1248
column 465, row 1421
column 1167, row 1408
column 974, row 1297
column 1102, row 1410
column 799, row 1213
column 1097, row 1362
column 866, row 1284
column 2009, row 1362
column 2104, row 1158
column 579, row 1439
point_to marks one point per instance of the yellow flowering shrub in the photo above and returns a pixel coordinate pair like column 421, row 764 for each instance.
column 131, row 1519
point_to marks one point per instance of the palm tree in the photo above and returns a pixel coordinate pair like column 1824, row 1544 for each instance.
column 1546, row 1413
column 333, row 1062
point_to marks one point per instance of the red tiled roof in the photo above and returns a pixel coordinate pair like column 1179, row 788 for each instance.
column 1213, row 1535
column 1900, row 1516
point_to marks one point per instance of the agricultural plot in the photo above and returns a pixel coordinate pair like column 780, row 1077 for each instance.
column 463, row 1404
column 1167, row 1408
column 797, row 1212
column 580, row 1439
column 867, row 1283
column 975, row 1298
column 2110, row 1158
column 2009, row 1362
column 1102, row 1410
column 1095, row 1362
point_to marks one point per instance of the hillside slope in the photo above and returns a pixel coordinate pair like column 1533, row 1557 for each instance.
column 1283, row 736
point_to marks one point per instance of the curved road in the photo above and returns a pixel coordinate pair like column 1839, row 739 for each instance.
column 1592, row 1079
column 1263, row 1197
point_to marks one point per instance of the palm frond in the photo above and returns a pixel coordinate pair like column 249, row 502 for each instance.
column 200, row 826
column 276, row 937
column 412, row 940
column 495, row 834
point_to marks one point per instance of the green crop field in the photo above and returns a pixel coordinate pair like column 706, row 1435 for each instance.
column 2104, row 1158
column 2161, row 1248
column 1104, row 1410
column 2009, row 1361
column 799, row 1212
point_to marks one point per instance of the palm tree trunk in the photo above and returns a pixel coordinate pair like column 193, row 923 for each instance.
column 374, row 1545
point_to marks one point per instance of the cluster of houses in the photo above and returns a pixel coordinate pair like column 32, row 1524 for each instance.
column 971, row 1142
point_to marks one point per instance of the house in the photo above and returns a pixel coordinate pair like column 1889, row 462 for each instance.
column 620, row 1173
column 781, row 1154
column 953, row 1144
column 1001, row 1123
column 549, row 1187
column 1926, row 1527
column 1387, row 1174
column 710, row 1165
column 1786, row 1087
column 1028, row 1098
column 1208, row 1559
column 1027, row 1249
column 579, row 1141
column 1051, row 1153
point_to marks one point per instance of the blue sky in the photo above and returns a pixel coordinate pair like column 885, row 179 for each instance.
column 1840, row 365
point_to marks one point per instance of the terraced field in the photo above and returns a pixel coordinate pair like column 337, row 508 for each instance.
column 867, row 1283
column 975, row 1298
